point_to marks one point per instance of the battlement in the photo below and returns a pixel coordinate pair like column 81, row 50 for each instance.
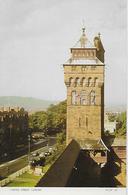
column 8, row 109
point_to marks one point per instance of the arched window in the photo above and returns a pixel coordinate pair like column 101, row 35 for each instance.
column 70, row 81
column 92, row 98
column 73, row 97
column 95, row 81
column 89, row 81
column 83, row 81
column 83, row 100
column 77, row 81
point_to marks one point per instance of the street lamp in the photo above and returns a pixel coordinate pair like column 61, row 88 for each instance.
column 10, row 140
column 29, row 149
column 47, row 138
column 10, row 131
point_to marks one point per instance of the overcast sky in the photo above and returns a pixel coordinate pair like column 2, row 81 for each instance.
column 35, row 37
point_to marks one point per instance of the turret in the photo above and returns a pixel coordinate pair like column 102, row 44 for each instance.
column 99, row 48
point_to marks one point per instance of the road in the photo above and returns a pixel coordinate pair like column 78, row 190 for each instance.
column 24, row 150
column 14, row 165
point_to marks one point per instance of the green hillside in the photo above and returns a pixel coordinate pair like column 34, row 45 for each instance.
column 29, row 103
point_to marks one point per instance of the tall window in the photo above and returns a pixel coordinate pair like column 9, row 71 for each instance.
column 95, row 81
column 92, row 98
column 89, row 81
column 83, row 98
column 70, row 81
column 79, row 122
column 83, row 81
column 86, row 121
column 77, row 81
column 74, row 97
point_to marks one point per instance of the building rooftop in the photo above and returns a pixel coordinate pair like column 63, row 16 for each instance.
column 84, row 52
column 111, row 141
column 119, row 142
column 84, row 61
column 88, row 144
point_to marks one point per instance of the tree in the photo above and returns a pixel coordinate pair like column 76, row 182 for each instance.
column 52, row 121
column 111, row 117
column 122, row 130
column 61, row 138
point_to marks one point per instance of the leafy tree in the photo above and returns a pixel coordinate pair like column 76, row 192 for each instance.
column 52, row 121
column 60, row 146
column 60, row 139
column 111, row 117
column 122, row 130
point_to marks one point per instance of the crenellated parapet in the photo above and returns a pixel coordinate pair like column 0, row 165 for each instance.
column 8, row 112
column 13, row 118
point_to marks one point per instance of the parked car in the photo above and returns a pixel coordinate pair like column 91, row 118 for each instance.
column 35, row 154
column 47, row 153
column 42, row 154
column 50, row 150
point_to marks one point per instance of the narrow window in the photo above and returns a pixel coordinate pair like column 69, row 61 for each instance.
column 73, row 97
column 70, row 81
column 86, row 121
column 95, row 81
column 83, row 98
column 79, row 122
column 89, row 81
column 92, row 98
column 83, row 81
column 77, row 81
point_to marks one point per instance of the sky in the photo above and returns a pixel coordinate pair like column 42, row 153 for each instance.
column 35, row 41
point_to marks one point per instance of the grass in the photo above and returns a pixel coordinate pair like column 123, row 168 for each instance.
column 25, row 180
column 30, row 180
column 46, row 167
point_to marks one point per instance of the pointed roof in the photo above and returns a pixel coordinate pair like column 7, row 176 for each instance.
column 83, row 42
column 98, row 43
column 88, row 144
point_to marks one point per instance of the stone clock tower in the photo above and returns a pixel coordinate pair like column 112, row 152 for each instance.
column 84, row 79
